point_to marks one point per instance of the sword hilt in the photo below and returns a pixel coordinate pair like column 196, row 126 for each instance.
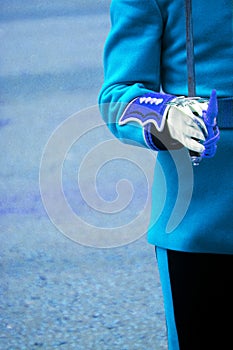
column 209, row 118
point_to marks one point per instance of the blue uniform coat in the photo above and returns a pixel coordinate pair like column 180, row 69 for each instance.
column 144, row 52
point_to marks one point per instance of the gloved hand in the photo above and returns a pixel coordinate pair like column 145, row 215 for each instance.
column 185, row 122
column 169, row 122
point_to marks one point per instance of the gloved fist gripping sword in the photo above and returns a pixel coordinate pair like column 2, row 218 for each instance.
column 170, row 122
column 201, row 143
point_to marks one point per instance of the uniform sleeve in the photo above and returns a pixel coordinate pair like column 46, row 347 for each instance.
column 131, row 63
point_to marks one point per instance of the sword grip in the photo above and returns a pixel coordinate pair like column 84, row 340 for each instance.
column 209, row 118
column 195, row 158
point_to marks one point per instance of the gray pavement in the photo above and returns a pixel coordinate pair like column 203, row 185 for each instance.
column 54, row 292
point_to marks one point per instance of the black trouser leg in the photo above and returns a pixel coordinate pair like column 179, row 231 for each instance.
column 202, row 291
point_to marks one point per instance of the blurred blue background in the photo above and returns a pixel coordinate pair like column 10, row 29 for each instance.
column 55, row 293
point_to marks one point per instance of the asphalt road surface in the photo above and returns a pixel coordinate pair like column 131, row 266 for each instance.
column 56, row 293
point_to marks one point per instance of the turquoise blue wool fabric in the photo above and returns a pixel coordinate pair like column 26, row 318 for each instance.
column 162, row 259
column 145, row 52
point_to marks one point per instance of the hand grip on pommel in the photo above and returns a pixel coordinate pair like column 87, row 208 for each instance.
column 210, row 121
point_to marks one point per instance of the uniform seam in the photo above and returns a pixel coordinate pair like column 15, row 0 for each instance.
column 156, row 6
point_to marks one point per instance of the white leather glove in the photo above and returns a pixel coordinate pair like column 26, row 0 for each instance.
column 185, row 122
column 170, row 122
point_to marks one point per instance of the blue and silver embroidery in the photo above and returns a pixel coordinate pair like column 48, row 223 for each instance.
column 146, row 109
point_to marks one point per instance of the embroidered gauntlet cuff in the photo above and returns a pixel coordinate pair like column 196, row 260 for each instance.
column 150, row 111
